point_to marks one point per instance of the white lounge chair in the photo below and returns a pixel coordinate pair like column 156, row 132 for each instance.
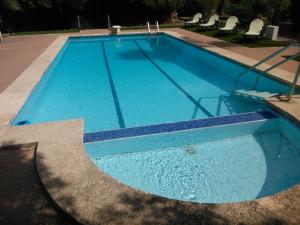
column 255, row 29
column 230, row 25
column 196, row 19
column 211, row 22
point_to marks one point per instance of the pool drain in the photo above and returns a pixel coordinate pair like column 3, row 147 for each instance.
column 23, row 122
column 190, row 150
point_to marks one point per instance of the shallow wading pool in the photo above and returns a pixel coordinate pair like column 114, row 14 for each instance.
column 230, row 163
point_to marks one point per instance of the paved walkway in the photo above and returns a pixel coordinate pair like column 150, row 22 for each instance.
column 22, row 201
column 17, row 53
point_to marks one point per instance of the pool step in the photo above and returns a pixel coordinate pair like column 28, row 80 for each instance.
column 254, row 95
column 177, row 126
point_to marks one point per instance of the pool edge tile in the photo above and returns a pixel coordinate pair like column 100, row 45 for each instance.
column 177, row 126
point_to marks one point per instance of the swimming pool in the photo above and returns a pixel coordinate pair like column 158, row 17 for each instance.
column 159, row 108
column 137, row 80
column 219, row 164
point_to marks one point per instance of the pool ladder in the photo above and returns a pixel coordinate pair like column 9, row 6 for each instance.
column 259, row 95
column 149, row 27
column 1, row 37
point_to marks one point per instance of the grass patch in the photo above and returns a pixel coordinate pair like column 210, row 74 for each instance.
column 238, row 39
column 46, row 32
column 153, row 27
column 295, row 59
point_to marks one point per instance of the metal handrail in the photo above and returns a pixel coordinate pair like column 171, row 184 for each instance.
column 157, row 26
column 293, row 87
column 149, row 27
column 267, row 59
column 276, row 65
column 283, row 61
column 1, row 37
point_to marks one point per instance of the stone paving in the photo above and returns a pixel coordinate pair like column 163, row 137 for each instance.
column 17, row 53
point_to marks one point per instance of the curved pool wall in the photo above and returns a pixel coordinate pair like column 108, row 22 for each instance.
column 218, row 164
column 136, row 80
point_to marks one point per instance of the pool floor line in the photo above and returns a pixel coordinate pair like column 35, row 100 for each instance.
column 113, row 90
column 194, row 101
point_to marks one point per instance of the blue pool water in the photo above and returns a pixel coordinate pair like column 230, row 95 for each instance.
column 137, row 80
column 219, row 164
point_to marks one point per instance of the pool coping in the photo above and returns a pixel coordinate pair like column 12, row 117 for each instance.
column 80, row 188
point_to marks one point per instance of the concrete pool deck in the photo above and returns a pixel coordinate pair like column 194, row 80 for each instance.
column 92, row 197
column 17, row 53
column 289, row 109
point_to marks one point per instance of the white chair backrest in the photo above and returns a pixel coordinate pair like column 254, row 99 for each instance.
column 256, row 26
column 213, row 19
column 197, row 17
column 231, row 22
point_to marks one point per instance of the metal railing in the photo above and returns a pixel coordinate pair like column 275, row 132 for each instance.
column 149, row 27
column 157, row 26
column 294, row 84
column 272, row 67
column 1, row 37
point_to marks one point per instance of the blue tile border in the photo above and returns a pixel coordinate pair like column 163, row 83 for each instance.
column 177, row 126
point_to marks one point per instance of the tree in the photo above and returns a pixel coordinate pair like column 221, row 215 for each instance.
column 61, row 14
column 294, row 9
column 39, row 14
column 250, row 9
column 7, row 9
column 223, row 6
